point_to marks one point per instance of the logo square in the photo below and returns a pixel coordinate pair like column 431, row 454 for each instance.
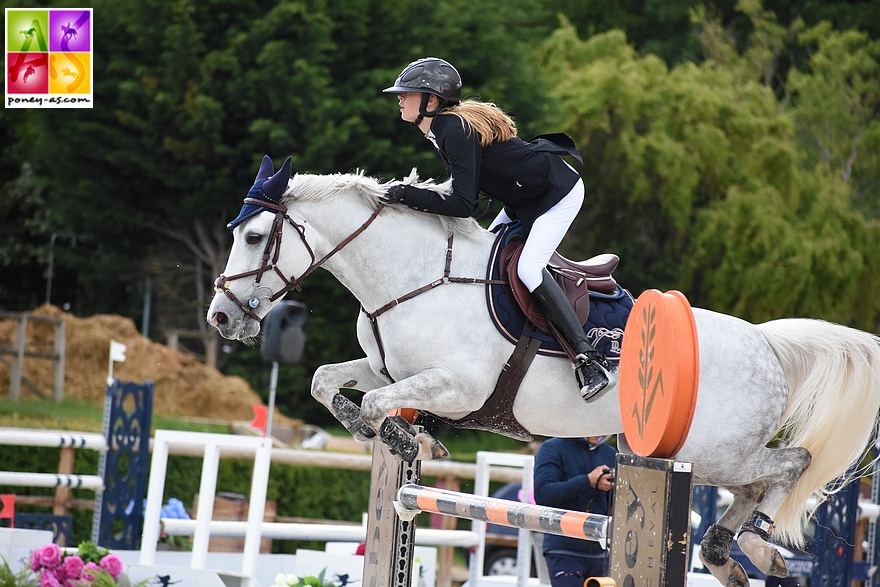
column 69, row 73
column 28, row 73
column 70, row 30
column 26, row 30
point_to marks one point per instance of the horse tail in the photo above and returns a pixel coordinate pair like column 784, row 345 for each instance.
column 833, row 375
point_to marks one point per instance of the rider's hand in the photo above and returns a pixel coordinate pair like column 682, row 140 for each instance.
column 395, row 193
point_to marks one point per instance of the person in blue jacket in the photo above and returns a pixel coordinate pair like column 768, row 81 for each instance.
column 574, row 474
column 477, row 143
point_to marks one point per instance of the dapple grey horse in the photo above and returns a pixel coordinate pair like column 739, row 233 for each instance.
column 814, row 383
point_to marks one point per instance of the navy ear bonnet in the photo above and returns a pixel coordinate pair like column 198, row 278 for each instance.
column 267, row 187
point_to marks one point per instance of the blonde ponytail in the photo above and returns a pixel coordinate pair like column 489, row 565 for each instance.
column 488, row 120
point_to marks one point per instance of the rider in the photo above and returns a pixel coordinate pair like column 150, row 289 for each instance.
column 477, row 143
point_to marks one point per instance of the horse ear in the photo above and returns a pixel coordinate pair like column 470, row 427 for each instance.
column 277, row 184
column 266, row 168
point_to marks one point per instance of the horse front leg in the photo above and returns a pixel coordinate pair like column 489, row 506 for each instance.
column 357, row 374
column 431, row 390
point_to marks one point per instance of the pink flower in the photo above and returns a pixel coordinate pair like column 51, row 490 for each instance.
column 48, row 579
column 50, row 556
column 60, row 573
column 89, row 567
column 35, row 561
column 73, row 566
column 112, row 564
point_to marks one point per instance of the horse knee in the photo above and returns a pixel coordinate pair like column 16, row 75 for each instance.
column 797, row 459
column 319, row 384
column 789, row 464
column 371, row 412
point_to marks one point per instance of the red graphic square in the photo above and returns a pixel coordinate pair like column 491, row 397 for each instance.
column 27, row 73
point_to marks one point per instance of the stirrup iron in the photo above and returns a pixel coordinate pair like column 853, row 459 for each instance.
column 592, row 374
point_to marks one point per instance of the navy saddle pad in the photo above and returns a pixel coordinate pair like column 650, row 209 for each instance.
column 604, row 327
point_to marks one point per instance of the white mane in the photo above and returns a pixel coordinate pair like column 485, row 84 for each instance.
column 306, row 187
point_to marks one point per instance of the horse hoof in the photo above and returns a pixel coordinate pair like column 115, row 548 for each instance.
column 778, row 568
column 730, row 574
column 438, row 451
column 430, row 448
column 766, row 558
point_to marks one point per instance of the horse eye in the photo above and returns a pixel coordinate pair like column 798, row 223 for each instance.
column 253, row 238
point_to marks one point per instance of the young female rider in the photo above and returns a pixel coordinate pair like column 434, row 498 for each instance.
column 478, row 144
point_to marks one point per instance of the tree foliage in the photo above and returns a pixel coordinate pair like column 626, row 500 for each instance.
column 701, row 164
column 730, row 151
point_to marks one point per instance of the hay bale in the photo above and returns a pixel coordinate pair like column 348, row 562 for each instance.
column 184, row 386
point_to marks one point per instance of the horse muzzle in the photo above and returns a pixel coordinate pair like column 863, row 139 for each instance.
column 230, row 322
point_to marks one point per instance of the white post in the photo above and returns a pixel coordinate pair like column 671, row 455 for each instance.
column 524, row 548
column 58, row 351
column 155, row 491
column 18, row 360
column 257, row 506
column 207, row 489
column 261, row 448
column 273, row 386
column 481, row 488
column 117, row 353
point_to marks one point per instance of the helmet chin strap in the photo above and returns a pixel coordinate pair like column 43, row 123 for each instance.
column 423, row 111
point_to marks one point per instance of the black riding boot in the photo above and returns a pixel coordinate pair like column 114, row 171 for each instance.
column 591, row 367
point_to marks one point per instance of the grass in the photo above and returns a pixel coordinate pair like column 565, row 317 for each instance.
column 75, row 415
column 72, row 414
column 67, row 415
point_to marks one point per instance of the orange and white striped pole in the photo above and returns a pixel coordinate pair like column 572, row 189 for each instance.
column 537, row 518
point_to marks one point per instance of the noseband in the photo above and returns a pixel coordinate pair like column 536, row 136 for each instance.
column 221, row 285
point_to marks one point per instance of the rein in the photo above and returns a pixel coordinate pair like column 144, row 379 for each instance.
column 221, row 285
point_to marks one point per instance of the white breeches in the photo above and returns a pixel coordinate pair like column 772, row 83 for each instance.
column 545, row 236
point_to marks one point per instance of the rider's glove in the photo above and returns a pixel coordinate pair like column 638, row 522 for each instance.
column 396, row 193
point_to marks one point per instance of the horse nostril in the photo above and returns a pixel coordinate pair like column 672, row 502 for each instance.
column 218, row 319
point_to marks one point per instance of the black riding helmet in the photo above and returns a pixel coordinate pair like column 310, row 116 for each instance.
column 429, row 76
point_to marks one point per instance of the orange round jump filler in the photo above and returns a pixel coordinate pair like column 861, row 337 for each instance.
column 659, row 373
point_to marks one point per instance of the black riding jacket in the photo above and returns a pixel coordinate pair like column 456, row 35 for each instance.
column 528, row 177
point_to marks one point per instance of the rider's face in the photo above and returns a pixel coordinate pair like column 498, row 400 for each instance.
column 409, row 105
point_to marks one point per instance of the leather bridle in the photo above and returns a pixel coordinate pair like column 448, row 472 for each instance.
column 270, row 259
column 221, row 285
